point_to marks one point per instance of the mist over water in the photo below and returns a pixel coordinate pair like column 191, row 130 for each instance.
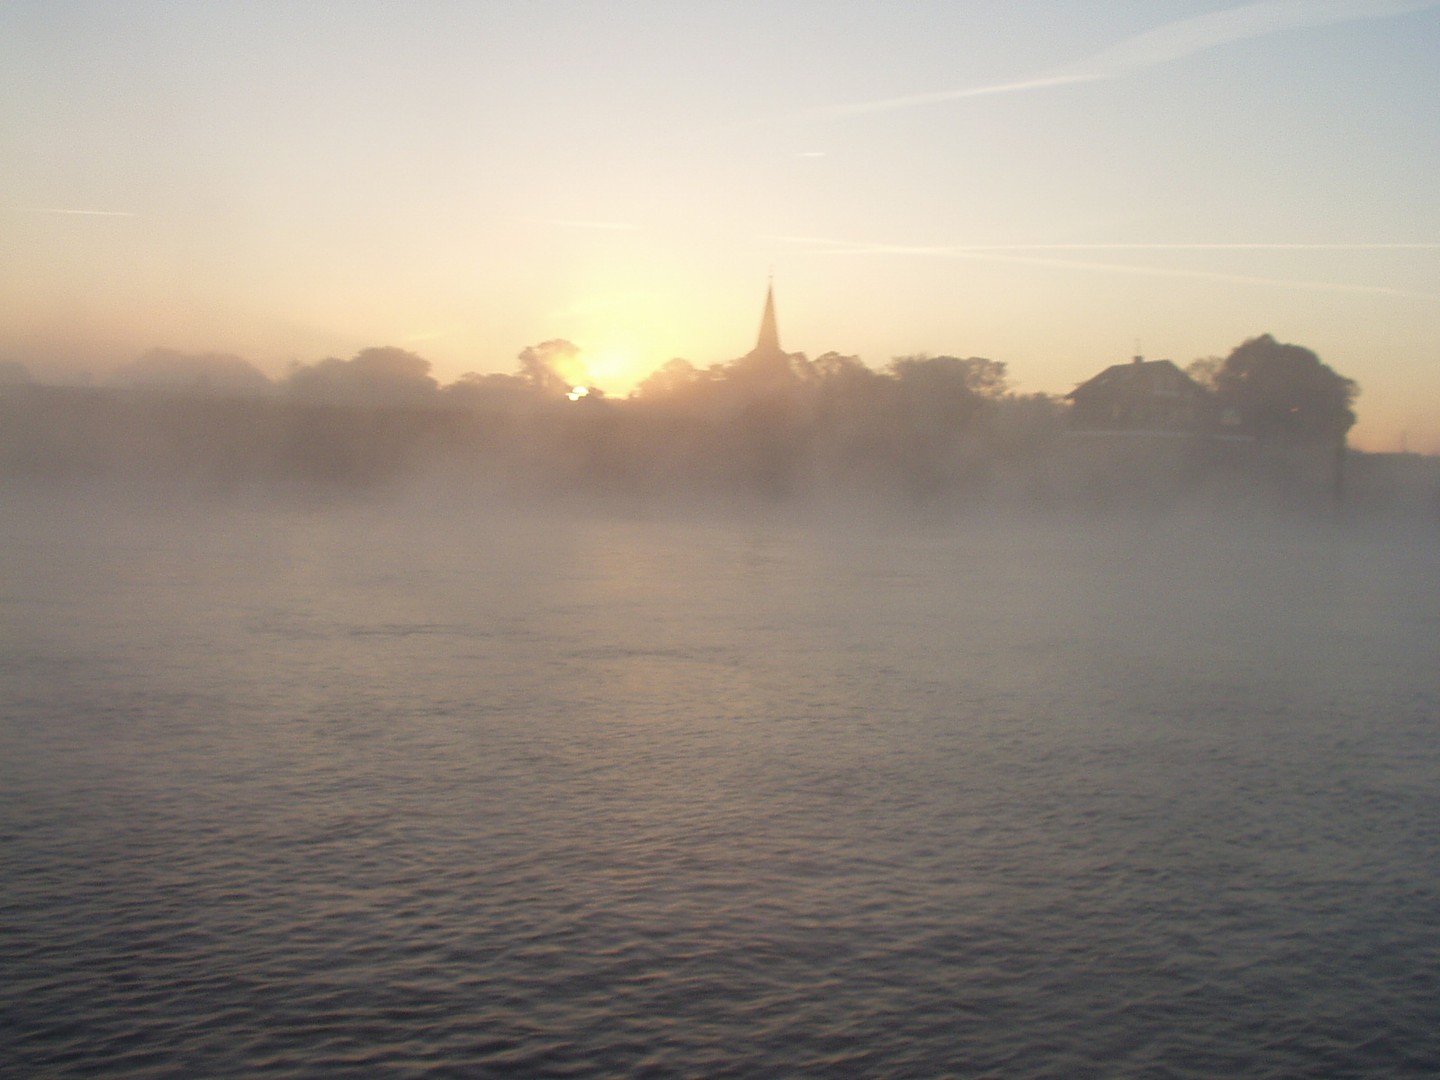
column 430, row 784
column 384, row 696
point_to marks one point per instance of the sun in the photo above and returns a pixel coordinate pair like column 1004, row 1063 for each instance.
column 617, row 367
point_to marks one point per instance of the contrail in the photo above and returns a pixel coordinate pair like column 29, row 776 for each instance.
column 85, row 213
column 958, row 249
column 999, row 253
column 604, row 226
column 1173, row 41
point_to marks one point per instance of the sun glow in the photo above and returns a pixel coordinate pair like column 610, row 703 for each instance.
column 625, row 326
column 616, row 367
column 578, row 392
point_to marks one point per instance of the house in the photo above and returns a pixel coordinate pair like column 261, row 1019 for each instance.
column 1149, row 396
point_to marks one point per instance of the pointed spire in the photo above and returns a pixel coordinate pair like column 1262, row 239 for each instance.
column 769, row 340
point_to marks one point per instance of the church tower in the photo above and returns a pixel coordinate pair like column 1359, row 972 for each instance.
column 767, row 364
column 768, row 343
column 767, row 352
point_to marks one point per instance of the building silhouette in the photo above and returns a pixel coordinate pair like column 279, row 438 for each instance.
column 767, row 366
column 768, row 340
column 1149, row 396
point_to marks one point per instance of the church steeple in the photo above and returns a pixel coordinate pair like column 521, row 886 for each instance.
column 769, row 340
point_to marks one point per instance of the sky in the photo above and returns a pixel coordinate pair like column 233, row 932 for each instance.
column 1054, row 184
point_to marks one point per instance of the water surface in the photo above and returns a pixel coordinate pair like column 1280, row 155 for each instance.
column 391, row 789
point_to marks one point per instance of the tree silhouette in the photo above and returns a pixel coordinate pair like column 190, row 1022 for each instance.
column 946, row 391
column 488, row 392
column 375, row 377
column 676, row 380
column 201, row 373
column 553, row 367
column 14, row 373
column 1284, row 391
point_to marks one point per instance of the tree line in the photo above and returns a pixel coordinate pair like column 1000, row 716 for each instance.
column 770, row 424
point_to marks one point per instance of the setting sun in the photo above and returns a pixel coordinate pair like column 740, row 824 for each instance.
column 616, row 367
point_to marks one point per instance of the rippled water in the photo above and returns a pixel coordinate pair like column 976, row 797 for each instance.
column 381, row 791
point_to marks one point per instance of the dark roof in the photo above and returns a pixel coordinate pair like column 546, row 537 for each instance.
column 1139, row 376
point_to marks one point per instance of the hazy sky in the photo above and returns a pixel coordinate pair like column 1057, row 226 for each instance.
column 1042, row 182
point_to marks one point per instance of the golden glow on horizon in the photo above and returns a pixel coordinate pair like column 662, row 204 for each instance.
column 615, row 368
column 907, row 209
